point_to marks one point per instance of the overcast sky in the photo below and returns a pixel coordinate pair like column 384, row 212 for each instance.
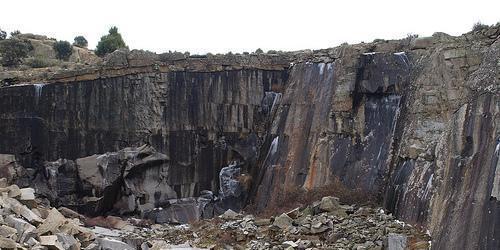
column 201, row 26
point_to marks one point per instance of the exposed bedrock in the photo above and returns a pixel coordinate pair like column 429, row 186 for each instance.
column 200, row 121
column 418, row 129
column 335, row 120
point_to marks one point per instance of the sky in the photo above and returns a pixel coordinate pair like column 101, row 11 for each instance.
column 220, row 26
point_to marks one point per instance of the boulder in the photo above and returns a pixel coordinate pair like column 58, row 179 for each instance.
column 294, row 214
column 6, row 243
column 69, row 213
column 68, row 242
column 89, row 172
column 178, row 211
column 21, row 210
column 283, row 221
column 112, row 244
column 230, row 215
column 146, row 177
column 58, row 183
column 27, row 194
column 43, row 212
column 84, row 235
column 262, row 222
column 303, row 244
column 140, row 172
column 8, row 167
column 229, row 181
column 14, row 191
column 7, row 232
column 102, row 231
column 318, row 227
column 290, row 243
column 3, row 182
column 329, row 204
column 396, row 241
column 109, row 222
column 51, row 242
column 32, row 242
column 53, row 221
column 24, row 229
column 117, row 59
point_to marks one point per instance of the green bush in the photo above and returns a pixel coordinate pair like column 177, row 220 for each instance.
column 14, row 50
column 15, row 33
column 410, row 36
column 110, row 42
column 63, row 50
column 3, row 35
column 81, row 42
column 479, row 26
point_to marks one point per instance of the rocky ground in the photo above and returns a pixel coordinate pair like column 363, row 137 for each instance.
column 326, row 224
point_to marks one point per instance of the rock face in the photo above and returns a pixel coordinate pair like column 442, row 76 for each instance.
column 200, row 121
column 333, row 122
column 413, row 123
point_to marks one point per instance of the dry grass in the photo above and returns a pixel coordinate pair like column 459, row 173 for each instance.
column 298, row 197
column 245, row 180
column 226, row 238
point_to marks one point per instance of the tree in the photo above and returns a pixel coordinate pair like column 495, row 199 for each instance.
column 479, row 26
column 3, row 35
column 259, row 51
column 81, row 42
column 14, row 50
column 15, row 33
column 63, row 50
column 110, row 42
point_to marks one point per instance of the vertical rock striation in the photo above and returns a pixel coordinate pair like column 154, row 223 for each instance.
column 201, row 121
column 417, row 129
column 331, row 126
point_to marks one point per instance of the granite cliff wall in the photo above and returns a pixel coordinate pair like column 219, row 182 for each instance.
column 336, row 120
column 418, row 129
column 200, row 120
column 414, row 123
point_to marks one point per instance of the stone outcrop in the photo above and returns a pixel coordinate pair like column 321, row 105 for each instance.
column 411, row 122
column 336, row 121
column 200, row 121
column 130, row 181
column 418, row 128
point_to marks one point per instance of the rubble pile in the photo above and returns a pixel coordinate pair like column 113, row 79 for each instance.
column 25, row 223
column 325, row 224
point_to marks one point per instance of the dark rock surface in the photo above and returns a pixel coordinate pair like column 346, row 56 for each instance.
column 417, row 129
column 200, row 121
column 318, row 140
